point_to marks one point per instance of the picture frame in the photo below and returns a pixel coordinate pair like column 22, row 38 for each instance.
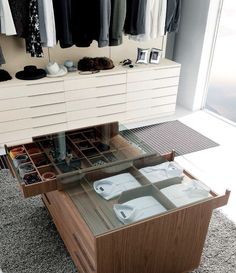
column 142, row 56
column 155, row 56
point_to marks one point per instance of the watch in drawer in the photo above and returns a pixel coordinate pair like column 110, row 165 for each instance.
column 39, row 165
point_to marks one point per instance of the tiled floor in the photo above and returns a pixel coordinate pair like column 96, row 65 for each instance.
column 216, row 166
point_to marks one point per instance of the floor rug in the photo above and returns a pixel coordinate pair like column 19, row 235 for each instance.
column 29, row 242
column 175, row 135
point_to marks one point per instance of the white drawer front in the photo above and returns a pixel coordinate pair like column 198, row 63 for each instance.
column 152, row 93
column 111, row 118
column 82, row 114
column 163, row 100
column 153, row 74
column 38, row 111
column 95, row 81
column 15, row 125
column 47, row 99
column 140, row 104
column 101, row 91
column 45, row 88
column 14, row 114
column 48, row 120
column 54, row 128
column 162, row 109
column 12, row 104
column 18, row 141
column 108, row 110
column 82, row 123
column 80, row 105
column 17, row 135
column 138, row 114
column 110, row 100
column 153, row 84
column 13, row 92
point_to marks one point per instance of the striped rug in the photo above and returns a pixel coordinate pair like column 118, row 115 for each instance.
column 175, row 135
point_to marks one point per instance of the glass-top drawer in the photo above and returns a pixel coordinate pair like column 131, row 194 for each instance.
column 39, row 164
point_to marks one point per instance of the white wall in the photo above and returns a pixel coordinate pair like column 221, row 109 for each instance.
column 189, row 48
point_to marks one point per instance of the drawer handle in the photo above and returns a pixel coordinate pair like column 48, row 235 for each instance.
column 49, row 125
column 43, row 95
column 112, row 75
column 111, row 114
column 83, row 252
column 112, row 105
column 81, row 263
column 43, row 83
column 49, row 115
column 38, row 106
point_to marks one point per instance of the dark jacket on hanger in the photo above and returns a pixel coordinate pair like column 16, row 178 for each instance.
column 63, row 21
column 135, row 17
column 173, row 13
column 118, row 13
column 20, row 14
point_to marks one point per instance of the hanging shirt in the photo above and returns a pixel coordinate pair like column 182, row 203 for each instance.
column 7, row 23
column 33, row 41
column 118, row 13
column 105, row 16
column 154, row 22
column 20, row 14
column 135, row 17
column 47, row 23
column 173, row 15
column 2, row 59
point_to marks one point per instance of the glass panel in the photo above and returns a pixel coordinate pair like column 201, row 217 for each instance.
column 221, row 97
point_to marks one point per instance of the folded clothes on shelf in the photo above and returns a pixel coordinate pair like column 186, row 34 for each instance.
column 113, row 186
column 162, row 171
column 138, row 209
column 186, row 192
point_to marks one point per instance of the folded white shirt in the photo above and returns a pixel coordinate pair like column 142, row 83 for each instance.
column 138, row 209
column 186, row 193
column 162, row 171
column 113, row 186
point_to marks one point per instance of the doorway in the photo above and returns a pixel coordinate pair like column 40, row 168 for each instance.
column 221, row 91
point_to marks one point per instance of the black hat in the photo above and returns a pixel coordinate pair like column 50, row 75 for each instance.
column 31, row 72
column 4, row 75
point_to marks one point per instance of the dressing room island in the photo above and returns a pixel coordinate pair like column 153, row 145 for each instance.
column 118, row 205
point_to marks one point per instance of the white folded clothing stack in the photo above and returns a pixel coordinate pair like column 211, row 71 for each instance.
column 162, row 171
column 113, row 186
column 138, row 209
column 186, row 193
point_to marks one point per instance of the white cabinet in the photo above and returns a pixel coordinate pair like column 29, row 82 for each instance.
column 122, row 94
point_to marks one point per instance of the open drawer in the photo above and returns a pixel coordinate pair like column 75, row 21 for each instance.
column 38, row 165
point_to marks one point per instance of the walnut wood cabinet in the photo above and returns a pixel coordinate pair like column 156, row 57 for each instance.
column 169, row 242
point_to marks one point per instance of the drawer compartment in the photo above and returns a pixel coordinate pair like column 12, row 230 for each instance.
column 11, row 126
column 38, row 111
column 40, row 100
column 82, row 114
column 163, row 100
column 140, row 104
column 153, row 74
column 45, row 88
column 153, row 84
column 16, row 114
column 108, row 110
column 162, row 109
column 48, row 120
column 11, row 104
column 13, row 92
column 95, row 81
column 81, row 105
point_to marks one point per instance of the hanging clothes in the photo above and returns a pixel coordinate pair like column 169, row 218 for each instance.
column 118, row 14
column 2, row 59
column 63, row 20
column 135, row 17
column 173, row 15
column 105, row 17
column 20, row 14
column 154, row 22
column 7, row 23
column 47, row 23
column 33, row 41
column 85, row 22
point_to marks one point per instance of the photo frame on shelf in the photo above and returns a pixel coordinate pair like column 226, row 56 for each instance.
column 155, row 56
column 142, row 56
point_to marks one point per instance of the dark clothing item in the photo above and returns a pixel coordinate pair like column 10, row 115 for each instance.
column 33, row 42
column 105, row 16
column 2, row 59
column 135, row 17
column 77, row 22
column 173, row 14
column 118, row 13
column 20, row 14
